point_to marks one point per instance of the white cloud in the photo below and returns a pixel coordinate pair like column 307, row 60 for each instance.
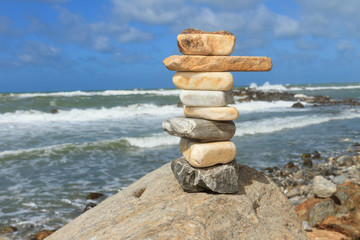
column 345, row 46
column 285, row 26
column 37, row 53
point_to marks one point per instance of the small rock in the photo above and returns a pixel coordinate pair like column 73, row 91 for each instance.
column 339, row 179
column 219, row 178
column 95, row 195
column 308, row 163
column 207, row 154
column 8, row 229
column 316, row 155
column 42, row 235
column 297, row 105
column 323, row 188
column 293, row 192
column 212, row 113
column 289, row 165
column 209, row 81
column 306, row 226
column 54, row 111
column 89, row 206
column 305, row 156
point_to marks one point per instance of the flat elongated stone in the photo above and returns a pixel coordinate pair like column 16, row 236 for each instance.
column 213, row 81
column 212, row 113
column 196, row 42
column 217, row 63
column 206, row 98
column 219, row 178
column 207, row 154
column 199, row 129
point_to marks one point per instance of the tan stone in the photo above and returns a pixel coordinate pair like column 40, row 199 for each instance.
column 187, row 63
column 212, row 113
column 156, row 207
column 217, row 81
column 196, row 42
column 207, row 154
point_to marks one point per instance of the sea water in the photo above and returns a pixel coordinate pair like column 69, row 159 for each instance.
column 102, row 141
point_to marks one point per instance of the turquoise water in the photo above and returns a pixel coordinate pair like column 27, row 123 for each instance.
column 103, row 141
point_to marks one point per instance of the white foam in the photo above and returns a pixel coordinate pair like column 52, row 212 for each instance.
column 91, row 114
column 276, row 124
column 156, row 140
column 159, row 92
column 318, row 88
column 263, row 106
column 268, row 87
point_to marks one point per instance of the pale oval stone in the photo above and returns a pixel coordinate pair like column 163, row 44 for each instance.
column 207, row 154
column 188, row 63
column 215, row 81
column 212, row 113
column 206, row 98
column 199, row 129
column 196, row 42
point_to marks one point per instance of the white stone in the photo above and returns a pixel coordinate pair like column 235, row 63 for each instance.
column 323, row 188
column 206, row 98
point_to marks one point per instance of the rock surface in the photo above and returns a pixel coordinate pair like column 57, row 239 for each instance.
column 219, row 178
column 323, row 188
column 196, row 42
column 211, row 81
column 206, row 98
column 207, row 154
column 217, row 63
column 199, row 129
column 212, row 113
column 156, row 207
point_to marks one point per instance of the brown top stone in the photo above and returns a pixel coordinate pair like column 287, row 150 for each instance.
column 217, row 63
column 196, row 31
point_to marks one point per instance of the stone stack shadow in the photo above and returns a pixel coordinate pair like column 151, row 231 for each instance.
column 203, row 75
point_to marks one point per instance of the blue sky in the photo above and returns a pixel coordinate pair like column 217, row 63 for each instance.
column 56, row 45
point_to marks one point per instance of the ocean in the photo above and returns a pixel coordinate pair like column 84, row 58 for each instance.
column 102, row 141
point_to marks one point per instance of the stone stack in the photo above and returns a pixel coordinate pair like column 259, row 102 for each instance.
column 203, row 74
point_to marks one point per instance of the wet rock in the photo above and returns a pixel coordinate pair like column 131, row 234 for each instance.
column 42, row 234
column 218, row 178
column 322, row 187
column 318, row 234
column 298, row 105
column 95, row 195
column 305, row 156
column 8, row 229
column 344, row 161
column 89, row 206
column 321, row 210
column 316, row 155
column 289, row 165
column 54, row 111
column 339, row 179
column 307, row 163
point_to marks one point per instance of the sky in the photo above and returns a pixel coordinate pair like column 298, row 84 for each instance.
column 66, row 45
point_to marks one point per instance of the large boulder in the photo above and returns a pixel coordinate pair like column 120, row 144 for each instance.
column 156, row 207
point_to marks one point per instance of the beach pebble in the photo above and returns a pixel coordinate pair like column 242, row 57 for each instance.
column 188, row 63
column 196, row 42
column 207, row 154
column 212, row 113
column 307, row 163
column 323, row 188
column 211, row 81
column 206, row 98
column 8, row 229
column 297, row 105
column 339, row 179
column 199, row 129
column 306, row 226
column 220, row 178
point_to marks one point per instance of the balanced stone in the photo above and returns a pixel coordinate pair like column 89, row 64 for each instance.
column 199, row 129
column 212, row 113
column 216, row 81
column 221, row 178
column 207, row 154
column 206, row 98
column 196, row 42
column 188, row 63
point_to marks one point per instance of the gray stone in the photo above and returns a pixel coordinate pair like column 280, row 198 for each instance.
column 306, row 226
column 156, row 207
column 206, row 98
column 199, row 129
column 339, row 179
column 323, row 188
column 222, row 178
column 320, row 211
